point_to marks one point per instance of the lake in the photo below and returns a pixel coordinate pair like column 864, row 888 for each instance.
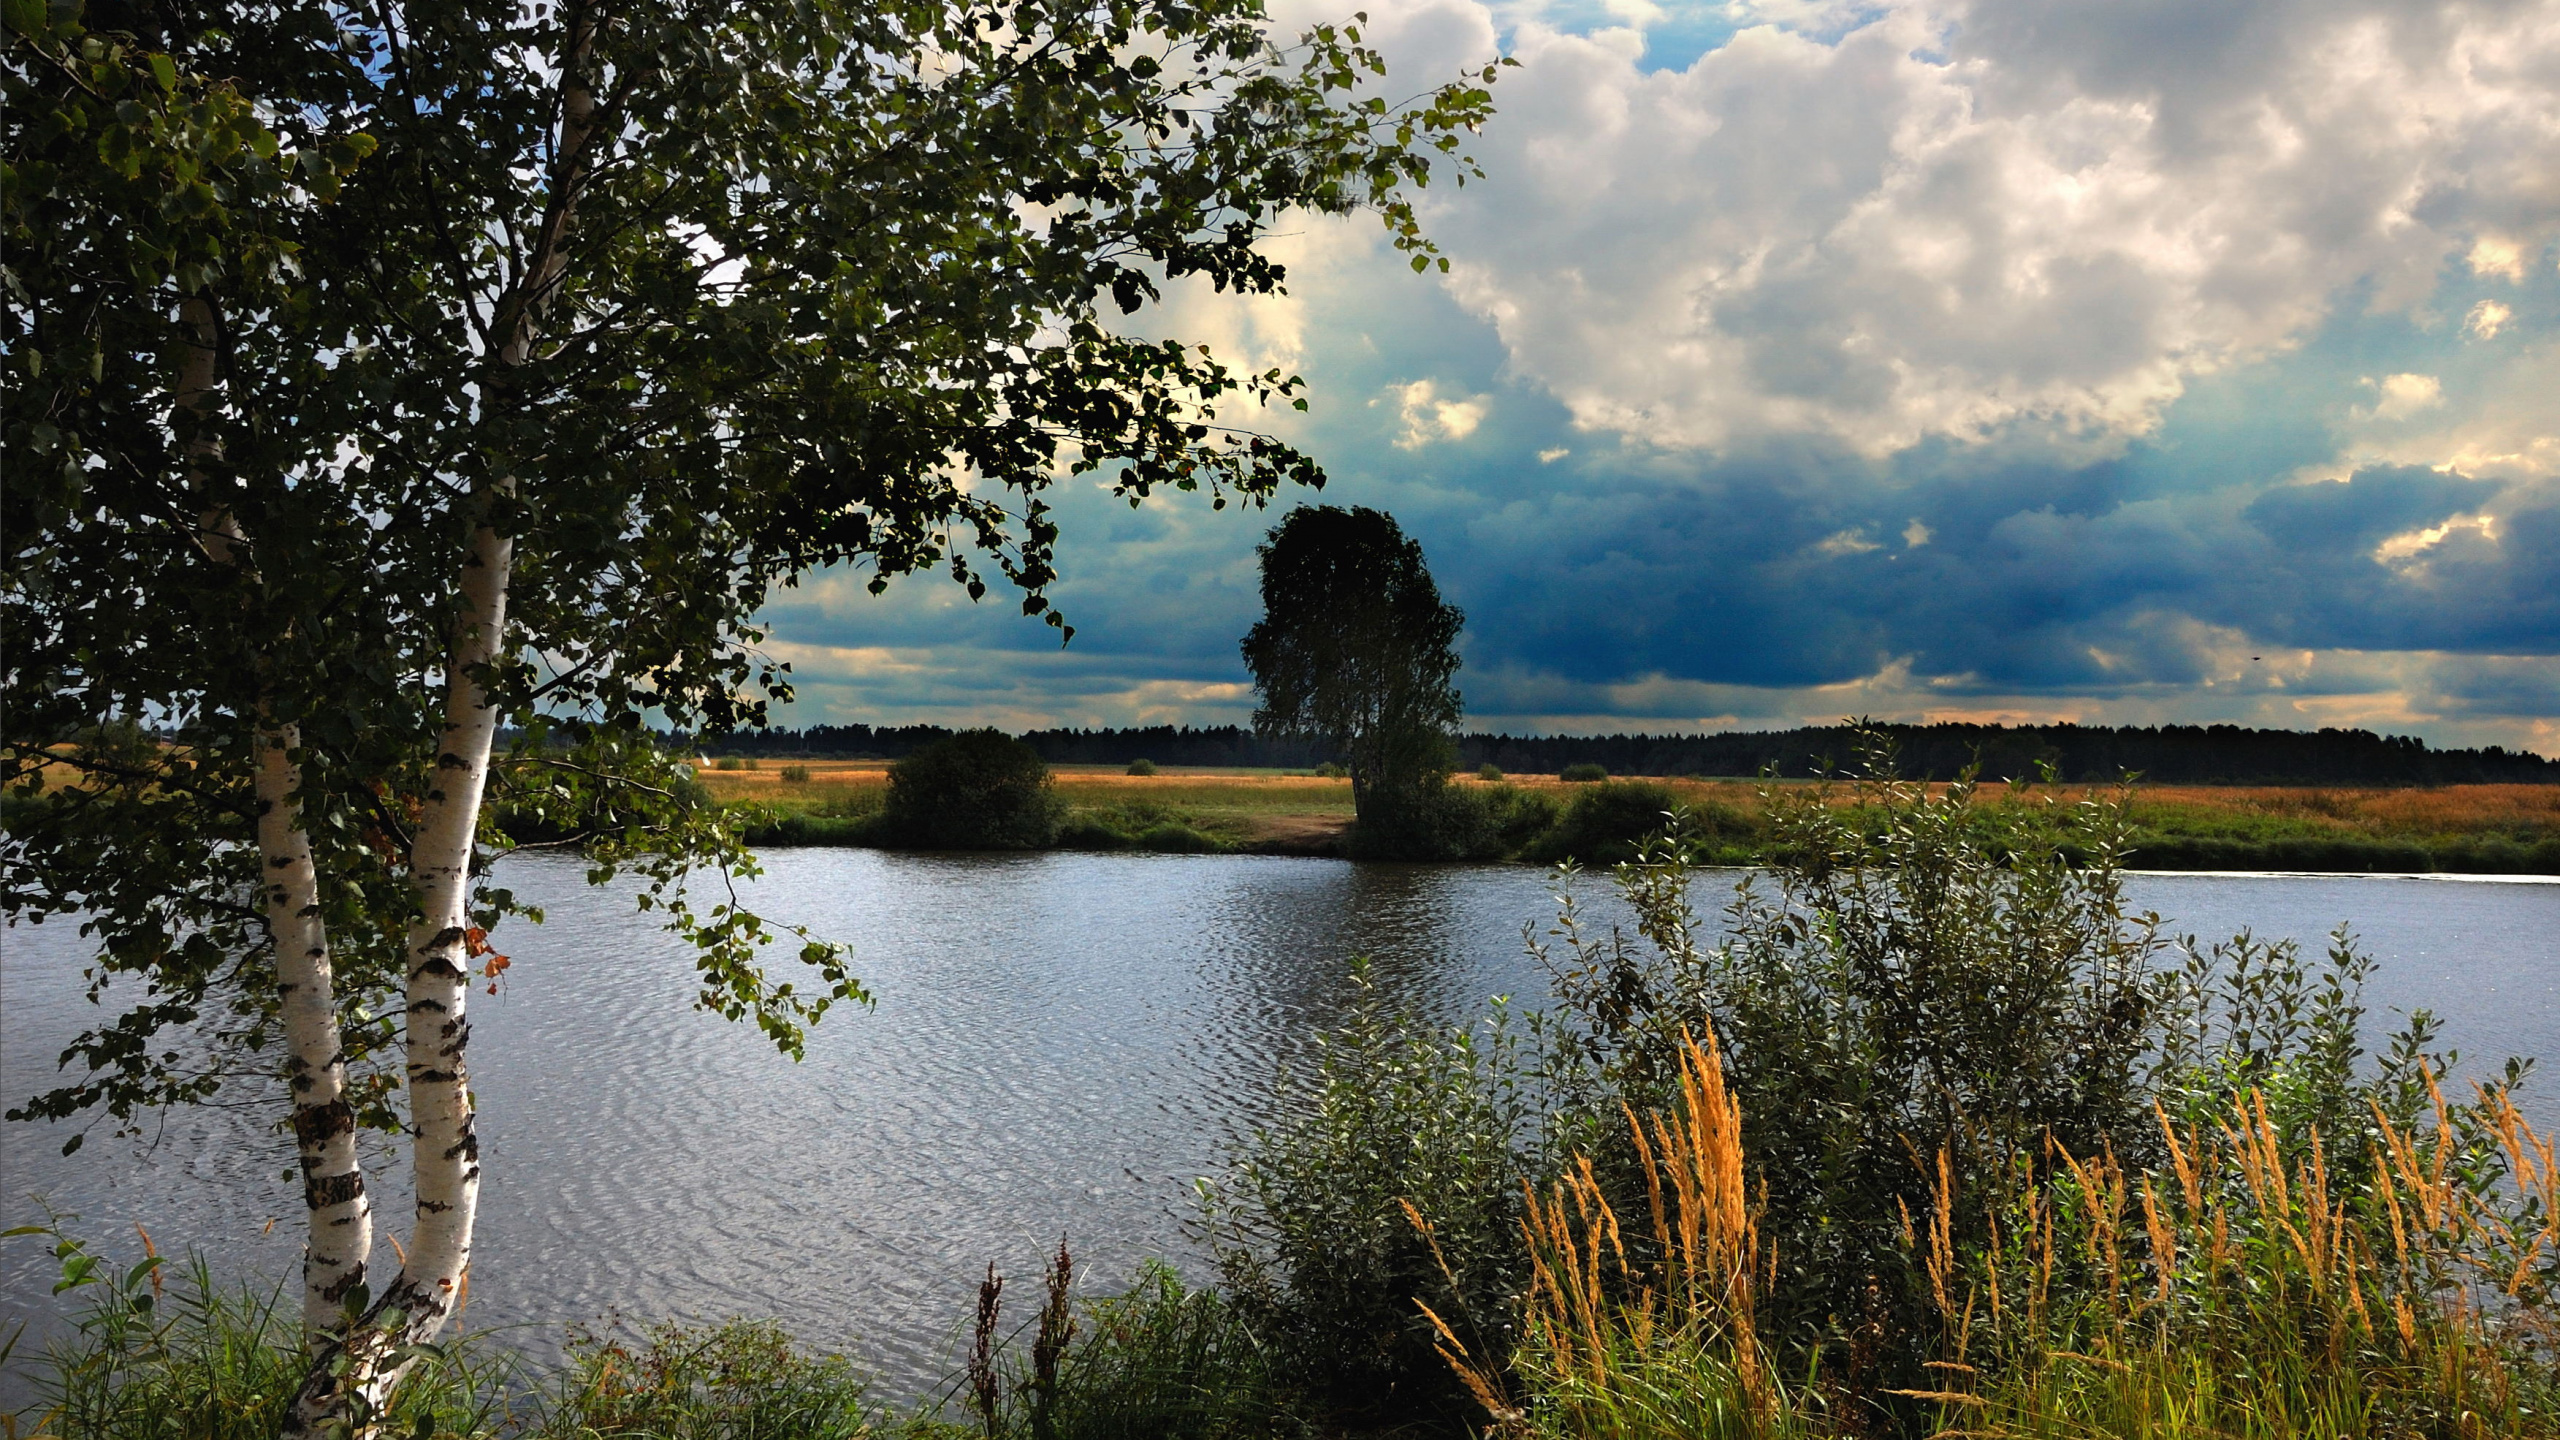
column 1064, row 1043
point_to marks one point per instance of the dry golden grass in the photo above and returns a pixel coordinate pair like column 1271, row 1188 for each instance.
column 2241, row 1291
column 1257, row 798
column 2431, row 811
column 1593, row 1315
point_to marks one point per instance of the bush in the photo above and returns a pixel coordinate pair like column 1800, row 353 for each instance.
column 1393, row 1176
column 977, row 790
column 1583, row 774
column 728, row 762
column 1603, row 825
column 795, row 774
column 1489, row 772
column 1330, row 771
column 1441, row 821
column 1142, row 767
column 1925, row 981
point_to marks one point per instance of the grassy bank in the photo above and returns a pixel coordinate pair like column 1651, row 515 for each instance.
column 2462, row 829
column 167, row 1353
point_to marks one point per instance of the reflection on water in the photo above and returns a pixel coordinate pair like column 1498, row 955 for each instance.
column 1063, row 1044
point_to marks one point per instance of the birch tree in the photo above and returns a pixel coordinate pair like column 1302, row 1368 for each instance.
column 1357, row 650
column 407, row 403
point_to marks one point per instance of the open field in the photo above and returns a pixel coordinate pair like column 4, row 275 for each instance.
column 2481, row 828
column 2456, row 828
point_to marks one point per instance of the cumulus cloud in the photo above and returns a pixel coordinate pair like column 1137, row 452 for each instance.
column 2403, row 396
column 2491, row 255
column 1976, row 220
column 1428, row 416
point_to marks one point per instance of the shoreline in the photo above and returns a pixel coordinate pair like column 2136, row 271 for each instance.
column 2459, row 830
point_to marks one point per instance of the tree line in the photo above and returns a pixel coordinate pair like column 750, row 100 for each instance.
column 2163, row 754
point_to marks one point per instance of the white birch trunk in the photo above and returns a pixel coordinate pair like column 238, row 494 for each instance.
column 352, row 1380
column 339, row 1215
column 338, row 1239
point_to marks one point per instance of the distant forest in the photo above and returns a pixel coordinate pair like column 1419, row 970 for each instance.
column 2164, row 754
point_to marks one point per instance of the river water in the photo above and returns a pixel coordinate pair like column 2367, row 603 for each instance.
column 1063, row 1044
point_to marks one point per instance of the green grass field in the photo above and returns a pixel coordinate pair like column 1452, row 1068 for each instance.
column 2490, row 829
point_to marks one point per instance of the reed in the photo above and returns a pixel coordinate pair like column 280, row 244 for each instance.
column 2244, row 1289
column 1632, row 1332
column 2240, row 1290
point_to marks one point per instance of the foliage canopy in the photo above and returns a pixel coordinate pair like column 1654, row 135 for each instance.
column 1357, row 649
column 679, row 299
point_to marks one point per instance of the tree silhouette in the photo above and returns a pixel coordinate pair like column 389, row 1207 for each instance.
column 1357, row 650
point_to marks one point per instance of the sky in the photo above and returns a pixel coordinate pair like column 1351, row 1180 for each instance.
column 2021, row 360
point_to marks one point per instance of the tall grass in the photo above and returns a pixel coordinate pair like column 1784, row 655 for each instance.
column 168, row 1353
column 742, row 1380
column 154, row 1356
column 2238, row 1291
column 1622, row 1338
column 2243, row 1289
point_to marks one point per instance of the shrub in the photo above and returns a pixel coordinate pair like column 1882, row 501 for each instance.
column 728, row 762
column 1489, row 772
column 1393, row 1176
column 1330, row 771
column 1602, row 825
column 1441, row 821
column 795, row 774
column 1583, row 774
column 1142, row 767
column 1926, row 981
column 977, row 790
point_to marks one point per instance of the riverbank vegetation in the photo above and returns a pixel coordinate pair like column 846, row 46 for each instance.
column 1941, row 1139
column 2462, row 829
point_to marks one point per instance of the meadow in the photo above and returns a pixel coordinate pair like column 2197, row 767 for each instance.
column 2489, row 829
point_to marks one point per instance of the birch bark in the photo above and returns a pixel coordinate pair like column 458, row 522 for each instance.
column 338, row 1238
column 351, row 1380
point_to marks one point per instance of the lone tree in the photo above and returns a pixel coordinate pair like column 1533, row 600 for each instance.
column 404, row 401
column 1356, row 649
